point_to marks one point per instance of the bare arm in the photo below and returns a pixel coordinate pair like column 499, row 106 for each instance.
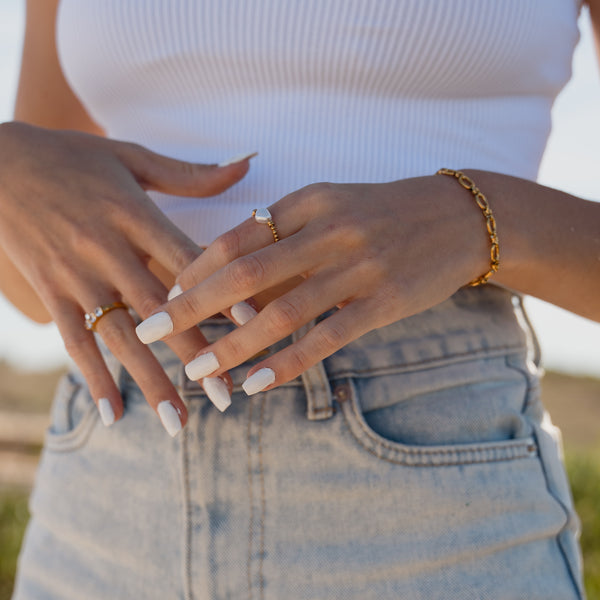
column 595, row 16
column 380, row 253
column 44, row 98
column 550, row 242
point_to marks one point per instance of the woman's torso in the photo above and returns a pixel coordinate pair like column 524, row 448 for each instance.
column 336, row 90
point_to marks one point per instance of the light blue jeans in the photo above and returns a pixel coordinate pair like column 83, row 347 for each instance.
column 416, row 463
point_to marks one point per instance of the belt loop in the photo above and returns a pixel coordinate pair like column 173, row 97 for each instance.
column 319, row 400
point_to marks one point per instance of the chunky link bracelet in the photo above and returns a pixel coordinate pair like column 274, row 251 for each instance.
column 483, row 204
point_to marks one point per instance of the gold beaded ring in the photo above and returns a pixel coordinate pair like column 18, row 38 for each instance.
column 490, row 222
column 92, row 318
column 262, row 215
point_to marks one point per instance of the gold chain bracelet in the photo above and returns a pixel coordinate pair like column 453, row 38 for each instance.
column 490, row 222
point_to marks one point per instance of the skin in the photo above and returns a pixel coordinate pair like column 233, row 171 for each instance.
column 384, row 252
column 378, row 252
column 78, row 230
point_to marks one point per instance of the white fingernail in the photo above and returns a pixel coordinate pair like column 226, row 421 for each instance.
column 259, row 381
column 107, row 414
column 201, row 366
column 237, row 159
column 216, row 389
column 242, row 312
column 174, row 292
column 154, row 327
column 169, row 418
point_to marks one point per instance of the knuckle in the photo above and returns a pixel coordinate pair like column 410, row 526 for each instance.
column 227, row 246
column 373, row 270
column 284, row 316
column 329, row 337
column 316, row 197
column 320, row 190
column 147, row 304
column 114, row 335
column 184, row 256
column 185, row 168
column 188, row 306
column 77, row 344
column 87, row 241
column 350, row 232
column 245, row 273
column 297, row 361
column 230, row 347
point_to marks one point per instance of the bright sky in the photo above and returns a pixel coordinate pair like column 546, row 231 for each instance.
column 569, row 343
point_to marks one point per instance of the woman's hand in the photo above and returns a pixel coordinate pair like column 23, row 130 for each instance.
column 76, row 223
column 377, row 252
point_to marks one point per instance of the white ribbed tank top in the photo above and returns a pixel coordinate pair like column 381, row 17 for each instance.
column 324, row 90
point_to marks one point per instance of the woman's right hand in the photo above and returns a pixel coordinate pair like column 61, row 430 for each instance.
column 76, row 222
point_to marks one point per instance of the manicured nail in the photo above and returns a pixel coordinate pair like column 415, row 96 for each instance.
column 154, row 327
column 174, row 291
column 201, row 366
column 169, row 417
column 242, row 312
column 259, row 381
column 107, row 414
column 237, row 159
column 216, row 389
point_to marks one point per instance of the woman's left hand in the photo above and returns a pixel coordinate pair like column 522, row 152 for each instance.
column 377, row 252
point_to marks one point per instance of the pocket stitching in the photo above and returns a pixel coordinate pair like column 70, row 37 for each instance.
column 76, row 437
column 430, row 455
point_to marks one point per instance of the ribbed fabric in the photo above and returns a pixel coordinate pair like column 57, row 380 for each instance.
column 324, row 90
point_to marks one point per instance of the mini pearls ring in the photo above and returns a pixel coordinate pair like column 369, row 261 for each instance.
column 262, row 215
column 92, row 318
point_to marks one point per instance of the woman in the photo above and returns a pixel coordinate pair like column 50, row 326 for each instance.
column 401, row 449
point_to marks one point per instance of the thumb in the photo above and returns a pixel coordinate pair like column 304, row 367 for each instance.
column 169, row 175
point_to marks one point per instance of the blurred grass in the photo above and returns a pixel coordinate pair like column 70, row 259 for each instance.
column 574, row 403
column 584, row 473
column 13, row 519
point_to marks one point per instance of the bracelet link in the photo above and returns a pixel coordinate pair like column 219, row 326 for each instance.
column 490, row 222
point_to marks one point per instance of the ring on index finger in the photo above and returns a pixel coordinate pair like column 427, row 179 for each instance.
column 92, row 318
column 262, row 215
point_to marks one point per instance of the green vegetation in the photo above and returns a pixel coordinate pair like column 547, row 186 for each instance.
column 584, row 473
column 13, row 518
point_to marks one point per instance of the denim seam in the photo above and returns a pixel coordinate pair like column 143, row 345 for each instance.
column 250, row 499
column 77, row 437
column 522, row 445
column 262, row 500
column 187, row 516
column 574, row 579
column 531, row 381
column 424, row 363
column 317, row 388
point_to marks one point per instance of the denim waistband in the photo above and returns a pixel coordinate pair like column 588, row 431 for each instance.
column 474, row 322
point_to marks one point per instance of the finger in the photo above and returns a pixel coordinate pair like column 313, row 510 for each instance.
column 236, row 281
column 327, row 337
column 240, row 313
column 82, row 348
column 156, row 237
column 276, row 321
column 144, row 293
column 117, row 331
column 169, row 175
column 242, row 240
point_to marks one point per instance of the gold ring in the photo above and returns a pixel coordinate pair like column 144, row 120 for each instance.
column 262, row 215
column 92, row 318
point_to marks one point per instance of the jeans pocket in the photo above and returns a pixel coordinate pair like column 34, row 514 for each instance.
column 72, row 416
column 456, row 412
